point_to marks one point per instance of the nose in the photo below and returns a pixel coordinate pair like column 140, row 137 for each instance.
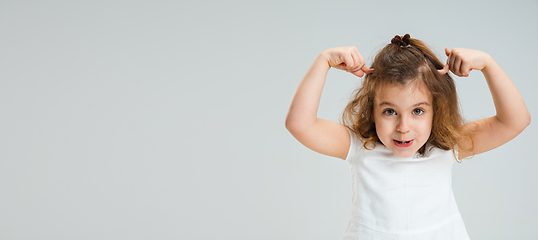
column 403, row 126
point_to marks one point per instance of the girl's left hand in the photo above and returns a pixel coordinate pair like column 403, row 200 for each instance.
column 462, row 61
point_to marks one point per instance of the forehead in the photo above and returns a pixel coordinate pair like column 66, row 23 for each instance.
column 402, row 95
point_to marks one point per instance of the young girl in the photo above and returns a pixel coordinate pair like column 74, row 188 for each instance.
column 402, row 132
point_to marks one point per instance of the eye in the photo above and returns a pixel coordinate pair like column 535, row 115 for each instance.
column 389, row 112
column 418, row 111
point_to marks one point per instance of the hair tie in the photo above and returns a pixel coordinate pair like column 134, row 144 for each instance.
column 401, row 41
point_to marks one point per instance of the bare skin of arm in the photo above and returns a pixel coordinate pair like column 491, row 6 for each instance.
column 323, row 136
column 512, row 115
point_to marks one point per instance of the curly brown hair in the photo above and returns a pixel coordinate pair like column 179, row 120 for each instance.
column 402, row 62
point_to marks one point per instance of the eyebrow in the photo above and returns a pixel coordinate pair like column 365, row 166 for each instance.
column 391, row 105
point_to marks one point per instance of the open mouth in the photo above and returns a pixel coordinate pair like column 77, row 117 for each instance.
column 403, row 143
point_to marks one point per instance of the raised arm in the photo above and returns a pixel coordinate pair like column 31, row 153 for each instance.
column 512, row 114
column 323, row 136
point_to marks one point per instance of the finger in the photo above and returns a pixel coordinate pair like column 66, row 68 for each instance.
column 447, row 51
column 360, row 63
column 457, row 67
column 358, row 73
column 367, row 70
column 444, row 70
column 356, row 59
column 465, row 68
column 359, row 56
column 353, row 68
column 362, row 71
column 450, row 62
column 348, row 61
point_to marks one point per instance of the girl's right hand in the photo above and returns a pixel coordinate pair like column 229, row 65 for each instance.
column 348, row 59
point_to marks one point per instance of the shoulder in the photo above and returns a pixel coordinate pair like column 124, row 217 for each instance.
column 359, row 148
column 356, row 145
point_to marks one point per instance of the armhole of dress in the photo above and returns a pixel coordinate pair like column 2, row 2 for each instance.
column 352, row 146
column 457, row 154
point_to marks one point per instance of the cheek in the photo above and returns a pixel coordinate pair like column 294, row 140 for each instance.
column 427, row 126
column 383, row 128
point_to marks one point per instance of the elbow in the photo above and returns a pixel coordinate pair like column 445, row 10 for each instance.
column 296, row 125
column 287, row 124
column 525, row 121
column 291, row 124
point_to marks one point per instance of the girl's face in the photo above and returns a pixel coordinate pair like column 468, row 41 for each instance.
column 403, row 117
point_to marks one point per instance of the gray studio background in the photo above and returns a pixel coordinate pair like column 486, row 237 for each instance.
column 165, row 119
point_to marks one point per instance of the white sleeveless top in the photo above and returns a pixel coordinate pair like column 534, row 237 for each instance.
column 402, row 198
